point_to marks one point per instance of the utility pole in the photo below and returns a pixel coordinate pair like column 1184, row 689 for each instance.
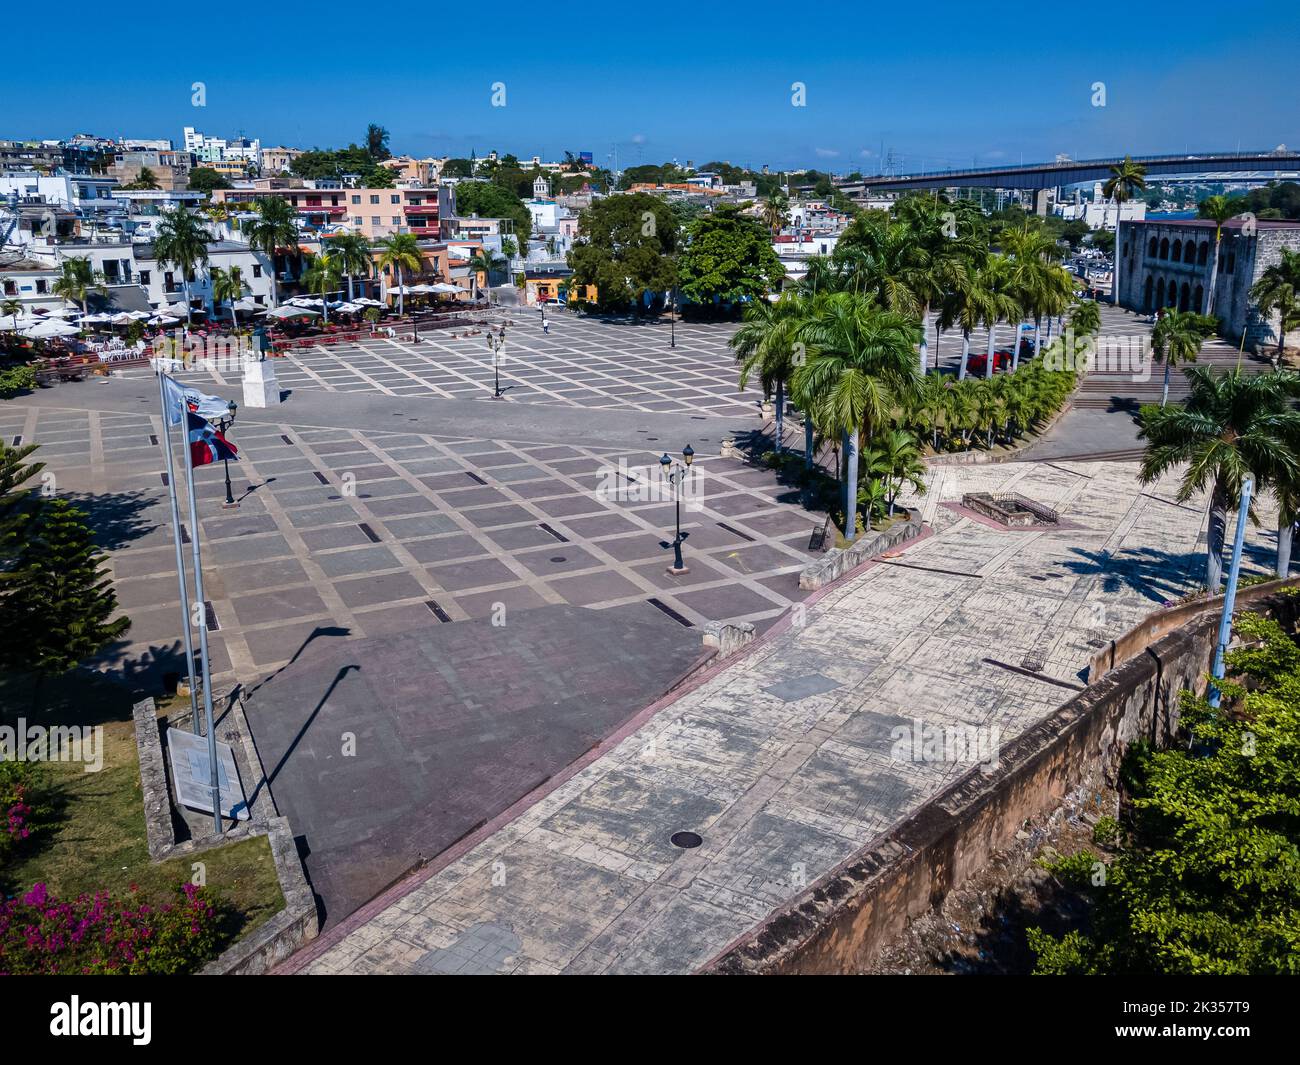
column 1230, row 593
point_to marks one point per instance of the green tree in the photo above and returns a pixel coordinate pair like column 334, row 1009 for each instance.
column 481, row 262
column 728, row 259
column 859, row 369
column 323, row 277
column 58, row 610
column 766, row 345
column 1278, row 289
column 227, row 287
column 377, row 143
column 1178, row 338
column 76, row 280
column 205, row 179
column 352, row 253
column 1205, row 880
column 274, row 228
column 398, row 252
column 1218, row 210
column 626, row 249
column 1042, row 287
column 896, row 459
column 182, row 241
column 1230, row 426
column 489, row 200
column 18, row 503
column 1125, row 179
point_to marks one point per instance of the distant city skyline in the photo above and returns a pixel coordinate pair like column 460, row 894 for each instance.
column 960, row 89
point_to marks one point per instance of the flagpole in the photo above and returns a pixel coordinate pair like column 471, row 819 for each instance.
column 180, row 555
column 203, row 635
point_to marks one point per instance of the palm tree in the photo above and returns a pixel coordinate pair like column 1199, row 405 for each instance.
column 1085, row 318
column 77, row 280
column 10, row 307
column 861, row 367
column 1278, row 289
column 351, row 251
column 965, row 305
column 775, row 212
column 275, row 227
column 1000, row 300
column 931, row 404
column 227, row 286
column 1218, row 210
column 1125, row 179
column 480, row 262
column 897, row 461
column 400, row 251
column 765, row 345
column 1177, row 338
column 182, row 241
column 322, row 277
column 1043, row 287
column 1230, row 426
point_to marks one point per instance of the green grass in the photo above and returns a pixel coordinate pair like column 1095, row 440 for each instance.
column 98, row 837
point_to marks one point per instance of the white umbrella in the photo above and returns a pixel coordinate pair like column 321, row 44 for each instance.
column 366, row 301
column 122, row 318
column 445, row 289
column 139, row 316
column 292, row 312
column 51, row 328
column 10, row 322
column 61, row 312
column 248, row 305
column 101, row 317
column 163, row 319
column 348, row 308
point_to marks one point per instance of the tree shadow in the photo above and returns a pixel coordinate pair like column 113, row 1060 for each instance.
column 116, row 518
column 1160, row 576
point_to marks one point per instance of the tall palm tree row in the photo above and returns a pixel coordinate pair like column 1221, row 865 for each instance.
column 323, row 277
column 398, row 252
column 766, row 345
column 182, row 242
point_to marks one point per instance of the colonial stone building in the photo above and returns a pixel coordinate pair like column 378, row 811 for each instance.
column 1168, row 264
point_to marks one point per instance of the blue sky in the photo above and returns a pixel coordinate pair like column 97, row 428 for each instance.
column 938, row 84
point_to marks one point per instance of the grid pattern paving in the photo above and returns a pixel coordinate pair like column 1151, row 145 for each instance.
column 581, row 363
column 376, row 532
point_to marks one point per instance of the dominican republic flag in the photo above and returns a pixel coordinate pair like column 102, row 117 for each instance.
column 206, row 444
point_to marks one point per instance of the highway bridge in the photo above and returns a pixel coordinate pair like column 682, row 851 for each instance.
column 1278, row 163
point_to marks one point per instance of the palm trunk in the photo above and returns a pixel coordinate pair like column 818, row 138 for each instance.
column 851, row 485
column 988, row 365
column 807, row 441
column 780, row 416
column 1164, row 396
column 185, row 287
column 1015, row 349
column 1214, row 274
column 1285, row 529
column 965, row 354
column 1214, row 541
column 1038, row 334
column 401, row 303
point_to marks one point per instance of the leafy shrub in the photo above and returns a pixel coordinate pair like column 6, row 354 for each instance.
column 1105, row 832
column 23, row 809
column 16, row 379
column 97, row 934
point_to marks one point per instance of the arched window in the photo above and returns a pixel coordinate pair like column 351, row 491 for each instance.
column 1203, row 253
column 1200, row 298
column 1160, row 293
column 1151, row 248
column 1176, row 252
column 1164, row 248
column 1185, row 297
column 1146, row 293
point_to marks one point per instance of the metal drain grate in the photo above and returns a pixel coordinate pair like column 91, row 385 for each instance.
column 671, row 613
column 437, row 611
column 210, row 617
column 546, row 528
column 285, row 439
column 1034, row 662
column 743, row 536
column 370, row 533
column 686, row 840
column 475, row 477
column 320, row 477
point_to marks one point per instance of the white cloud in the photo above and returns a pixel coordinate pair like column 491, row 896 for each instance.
column 826, row 153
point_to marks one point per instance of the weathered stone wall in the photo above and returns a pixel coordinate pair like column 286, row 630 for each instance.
column 844, row 920
column 838, row 561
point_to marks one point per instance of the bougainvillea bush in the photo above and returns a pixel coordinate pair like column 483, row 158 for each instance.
column 23, row 809
column 98, row 934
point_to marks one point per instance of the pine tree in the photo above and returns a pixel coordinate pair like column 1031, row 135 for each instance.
column 56, row 611
column 18, row 504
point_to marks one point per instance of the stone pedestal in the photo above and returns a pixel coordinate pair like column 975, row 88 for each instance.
column 261, row 389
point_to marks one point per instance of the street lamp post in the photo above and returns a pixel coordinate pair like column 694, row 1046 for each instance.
column 675, row 474
column 672, row 321
column 495, row 342
column 223, row 424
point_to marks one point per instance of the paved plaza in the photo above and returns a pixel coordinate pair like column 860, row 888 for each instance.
column 788, row 762
column 593, row 364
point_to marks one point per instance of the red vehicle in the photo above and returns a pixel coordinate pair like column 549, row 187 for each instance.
column 978, row 362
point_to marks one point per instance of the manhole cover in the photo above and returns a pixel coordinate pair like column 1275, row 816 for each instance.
column 559, row 558
column 685, row 840
column 1034, row 662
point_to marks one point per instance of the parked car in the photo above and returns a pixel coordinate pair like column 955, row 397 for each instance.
column 978, row 362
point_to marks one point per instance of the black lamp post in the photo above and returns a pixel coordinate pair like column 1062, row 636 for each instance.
column 496, row 342
column 223, row 424
column 674, row 475
column 672, row 321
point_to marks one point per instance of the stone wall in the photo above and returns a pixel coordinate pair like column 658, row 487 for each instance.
column 838, row 561
column 842, row 922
